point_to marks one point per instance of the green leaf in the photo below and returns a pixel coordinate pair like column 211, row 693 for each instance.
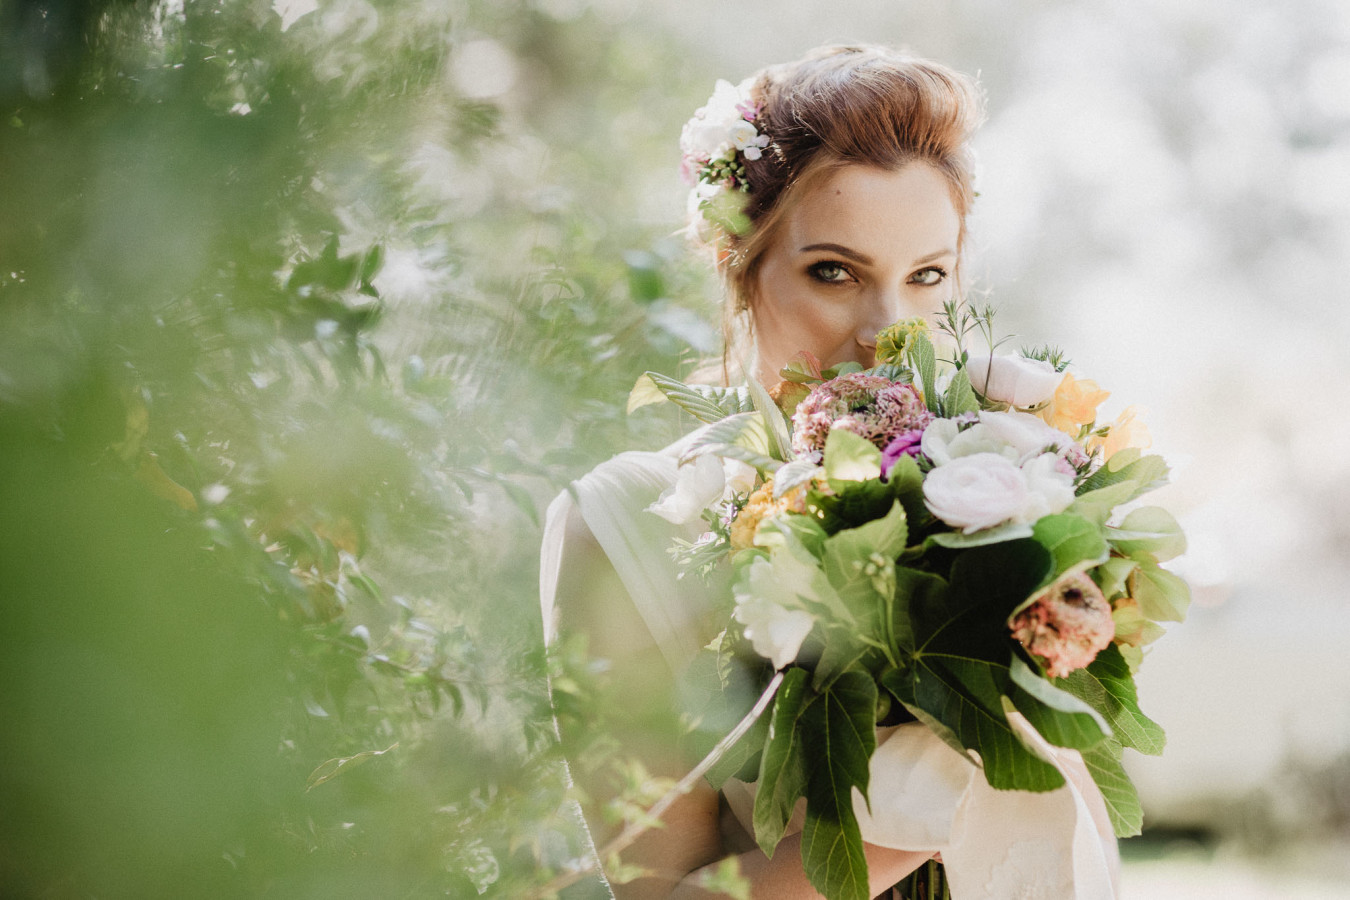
column 923, row 360
column 1162, row 596
column 997, row 578
column 914, row 591
column 848, row 504
column 742, row 759
column 721, row 687
column 957, row 540
column 706, row 403
column 850, row 458
column 1144, row 472
column 785, row 528
column 960, row 397
column 899, row 683
column 1096, row 505
column 775, row 426
column 1149, row 533
column 892, row 371
column 1112, row 575
column 1107, row 686
column 741, row 436
column 844, row 368
column 884, row 537
column 332, row 768
column 860, row 565
column 966, row 696
column 794, row 474
column 1122, row 800
column 1073, row 542
column 1061, row 718
column 644, row 275
column 802, row 369
column 906, row 483
column 782, row 771
column 838, row 736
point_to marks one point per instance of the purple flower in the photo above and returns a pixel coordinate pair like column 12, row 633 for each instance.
column 904, row 444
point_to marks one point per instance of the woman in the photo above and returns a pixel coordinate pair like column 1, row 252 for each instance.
column 833, row 192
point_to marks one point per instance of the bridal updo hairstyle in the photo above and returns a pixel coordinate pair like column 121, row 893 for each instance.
column 845, row 105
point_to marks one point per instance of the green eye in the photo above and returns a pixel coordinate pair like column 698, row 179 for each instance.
column 829, row 272
column 930, row 276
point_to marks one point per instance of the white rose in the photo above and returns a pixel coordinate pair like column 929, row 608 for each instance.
column 944, row 440
column 976, row 492
column 1014, row 380
column 1026, row 435
column 937, row 439
column 697, row 485
column 1049, row 487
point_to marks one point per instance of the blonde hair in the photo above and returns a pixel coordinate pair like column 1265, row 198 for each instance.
column 842, row 105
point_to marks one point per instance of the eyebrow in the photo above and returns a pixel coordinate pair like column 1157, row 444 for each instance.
column 864, row 259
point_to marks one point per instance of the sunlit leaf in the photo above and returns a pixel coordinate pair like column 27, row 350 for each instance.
column 332, row 768
column 1108, row 687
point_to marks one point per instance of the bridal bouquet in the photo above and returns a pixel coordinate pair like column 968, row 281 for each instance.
column 931, row 540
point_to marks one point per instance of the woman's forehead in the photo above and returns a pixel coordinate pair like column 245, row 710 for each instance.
column 876, row 211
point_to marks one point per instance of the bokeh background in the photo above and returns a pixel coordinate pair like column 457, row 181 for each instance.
column 308, row 307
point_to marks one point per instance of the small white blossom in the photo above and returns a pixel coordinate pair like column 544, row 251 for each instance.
column 740, row 477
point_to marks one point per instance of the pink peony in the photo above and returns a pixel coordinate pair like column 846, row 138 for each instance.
column 1067, row 626
column 869, row 406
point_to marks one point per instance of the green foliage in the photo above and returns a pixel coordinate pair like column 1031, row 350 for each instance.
column 783, row 769
column 922, row 359
column 838, row 736
column 850, row 458
column 289, row 359
column 706, row 403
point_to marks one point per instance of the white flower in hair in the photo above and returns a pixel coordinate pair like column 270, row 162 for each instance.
column 712, row 142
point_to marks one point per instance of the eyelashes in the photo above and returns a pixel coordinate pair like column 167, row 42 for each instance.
column 833, row 272
column 830, row 272
column 928, row 277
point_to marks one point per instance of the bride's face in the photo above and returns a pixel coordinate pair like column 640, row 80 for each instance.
column 863, row 248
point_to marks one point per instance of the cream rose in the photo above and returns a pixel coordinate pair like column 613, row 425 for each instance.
column 1049, row 487
column 976, row 492
column 1014, row 380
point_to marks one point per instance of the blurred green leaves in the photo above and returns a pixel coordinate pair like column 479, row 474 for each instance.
column 296, row 337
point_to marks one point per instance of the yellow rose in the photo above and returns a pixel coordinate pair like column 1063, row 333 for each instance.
column 1074, row 405
column 1126, row 431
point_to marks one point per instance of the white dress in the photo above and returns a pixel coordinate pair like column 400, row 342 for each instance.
column 1000, row 845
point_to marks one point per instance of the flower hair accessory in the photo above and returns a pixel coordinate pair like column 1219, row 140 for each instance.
column 712, row 144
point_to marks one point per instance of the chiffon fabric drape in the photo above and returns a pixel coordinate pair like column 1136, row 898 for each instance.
column 924, row 795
